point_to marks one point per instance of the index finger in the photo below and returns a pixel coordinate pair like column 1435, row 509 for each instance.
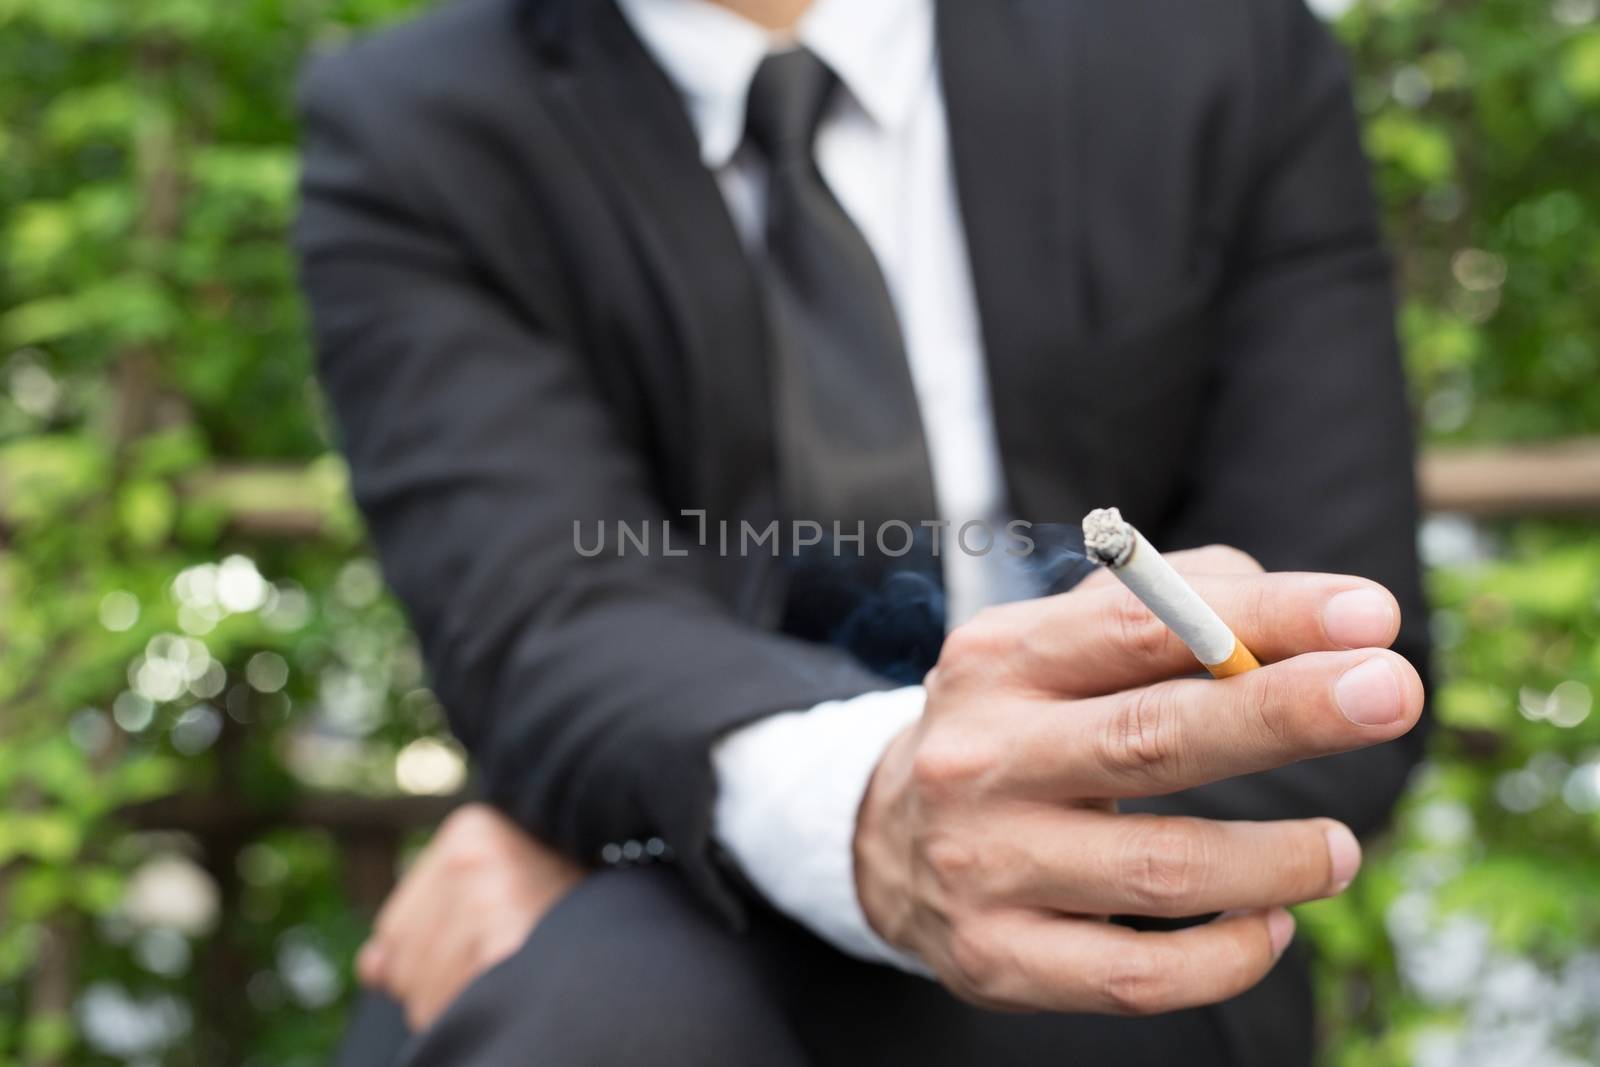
column 1184, row 733
column 1103, row 640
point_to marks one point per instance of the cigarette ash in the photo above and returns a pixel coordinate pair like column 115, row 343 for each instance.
column 1107, row 538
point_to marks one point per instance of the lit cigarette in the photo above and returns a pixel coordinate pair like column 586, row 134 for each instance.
column 1109, row 540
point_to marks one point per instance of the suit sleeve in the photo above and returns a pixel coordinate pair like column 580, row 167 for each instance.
column 589, row 690
column 1306, row 458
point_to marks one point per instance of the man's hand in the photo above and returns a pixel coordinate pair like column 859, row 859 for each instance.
column 989, row 842
column 470, row 900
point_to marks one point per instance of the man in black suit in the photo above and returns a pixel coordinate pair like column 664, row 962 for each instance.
column 830, row 269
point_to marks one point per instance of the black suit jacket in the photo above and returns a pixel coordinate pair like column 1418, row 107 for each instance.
column 532, row 308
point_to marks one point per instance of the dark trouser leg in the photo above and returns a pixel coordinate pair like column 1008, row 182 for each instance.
column 851, row 1013
column 630, row 970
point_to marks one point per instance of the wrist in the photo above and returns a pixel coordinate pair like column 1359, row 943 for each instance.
column 789, row 791
column 881, row 848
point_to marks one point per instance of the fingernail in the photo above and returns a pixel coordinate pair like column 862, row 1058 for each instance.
column 1344, row 856
column 1369, row 694
column 1280, row 927
column 1359, row 618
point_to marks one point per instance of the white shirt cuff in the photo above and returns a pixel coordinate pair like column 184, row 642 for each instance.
column 788, row 790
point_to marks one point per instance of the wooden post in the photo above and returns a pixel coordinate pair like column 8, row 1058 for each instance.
column 54, row 983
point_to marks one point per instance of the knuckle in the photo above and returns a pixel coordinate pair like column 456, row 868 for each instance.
column 1034, row 646
column 469, row 820
column 1267, row 710
column 1262, row 607
column 952, row 860
column 976, row 959
column 469, row 836
column 1163, row 865
column 463, row 856
column 946, row 765
column 979, row 641
column 1135, row 984
column 490, row 890
column 969, row 641
column 1136, row 630
column 491, row 951
column 1141, row 736
column 488, row 948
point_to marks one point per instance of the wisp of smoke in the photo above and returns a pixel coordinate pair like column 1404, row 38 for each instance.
column 892, row 617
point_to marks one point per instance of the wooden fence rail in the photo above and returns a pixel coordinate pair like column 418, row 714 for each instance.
column 1545, row 479
column 1563, row 477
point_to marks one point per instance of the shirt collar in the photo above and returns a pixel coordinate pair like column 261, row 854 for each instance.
column 880, row 49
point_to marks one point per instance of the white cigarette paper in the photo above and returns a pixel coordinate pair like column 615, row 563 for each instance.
column 1109, row 540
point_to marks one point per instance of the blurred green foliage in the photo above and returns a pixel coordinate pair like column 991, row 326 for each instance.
column 150, row 643
column 149, row 332
column 1484, row 121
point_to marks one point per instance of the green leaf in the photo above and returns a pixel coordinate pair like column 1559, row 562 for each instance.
column 42, row 320
column 1580, row 66
column 1475, row 704
column 147, row 510
column 107, row 111
column 1420, row 148
column 99, row 890
column 48, row 1037
column 43, row 477
column 48, row 836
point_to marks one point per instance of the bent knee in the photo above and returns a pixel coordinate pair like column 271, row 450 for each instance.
column 627, row 970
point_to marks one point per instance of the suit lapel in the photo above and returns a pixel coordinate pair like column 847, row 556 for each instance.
column 1012, row 76
column 1013, row 93
column 616, row 103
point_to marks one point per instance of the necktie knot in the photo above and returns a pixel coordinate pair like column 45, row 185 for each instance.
column 788, row 95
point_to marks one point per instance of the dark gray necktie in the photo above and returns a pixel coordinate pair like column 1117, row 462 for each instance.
column 850, row 442
column 850, row 446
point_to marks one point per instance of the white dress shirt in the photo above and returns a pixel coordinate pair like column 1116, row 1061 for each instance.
column 789, row 786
